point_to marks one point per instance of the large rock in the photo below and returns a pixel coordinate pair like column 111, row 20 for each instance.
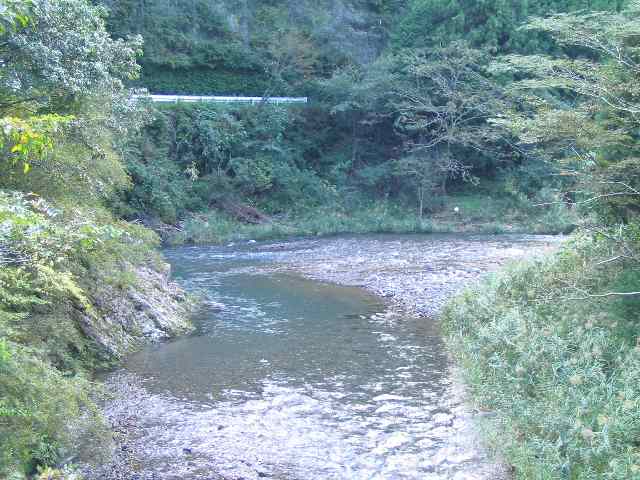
column 151, row 309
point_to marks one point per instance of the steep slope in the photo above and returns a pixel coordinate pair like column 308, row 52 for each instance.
column 250, row 46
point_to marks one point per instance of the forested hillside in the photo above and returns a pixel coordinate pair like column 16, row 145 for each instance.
column 493, row 25
column 79, row 287
column 398, row 121
column 424, row 116
column 249, row 47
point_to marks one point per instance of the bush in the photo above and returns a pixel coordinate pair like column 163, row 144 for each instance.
column 53, row 263
column 43, row 411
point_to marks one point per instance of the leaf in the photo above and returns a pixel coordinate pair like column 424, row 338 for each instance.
column 26, row 168
column 23, row 19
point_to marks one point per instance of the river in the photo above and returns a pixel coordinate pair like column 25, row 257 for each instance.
column 312, row 360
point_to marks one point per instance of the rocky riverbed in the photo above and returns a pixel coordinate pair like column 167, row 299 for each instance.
column 419, row 272
column 284, row 398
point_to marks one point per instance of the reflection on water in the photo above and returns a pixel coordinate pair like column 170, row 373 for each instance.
column 294, row 379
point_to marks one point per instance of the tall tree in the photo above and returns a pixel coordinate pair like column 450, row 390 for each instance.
column 444, row 107
column 63, row 80
column 581, row 110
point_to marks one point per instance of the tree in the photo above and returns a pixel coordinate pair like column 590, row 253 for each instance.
column 444, row 106
column 489, row 24
column 64, row 53
column 358, row 100
column 581, row 109
column 14, row 14
column 62, row 82
column 423, row 173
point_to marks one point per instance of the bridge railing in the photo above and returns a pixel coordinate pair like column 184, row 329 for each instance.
column 221, row 99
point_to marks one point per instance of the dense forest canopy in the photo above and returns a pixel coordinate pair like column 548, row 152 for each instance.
column 493, row 25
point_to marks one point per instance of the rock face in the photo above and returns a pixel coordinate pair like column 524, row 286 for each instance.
column 348, row 26
column 151, row 309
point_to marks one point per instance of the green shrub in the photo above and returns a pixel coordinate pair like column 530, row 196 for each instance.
column 43, row 411
column 53, row 263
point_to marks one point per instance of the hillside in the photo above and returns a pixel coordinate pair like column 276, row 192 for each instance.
column 250, row 47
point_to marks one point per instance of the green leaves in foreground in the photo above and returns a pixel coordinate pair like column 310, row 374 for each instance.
column 52, row 262
column 14, row 14
column 39, row 409
column 22, row 140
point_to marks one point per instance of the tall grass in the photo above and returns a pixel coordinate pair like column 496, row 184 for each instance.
column 558, row 371
column 474, row 215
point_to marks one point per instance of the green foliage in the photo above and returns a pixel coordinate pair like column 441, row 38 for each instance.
column 366, row 218
column 22, row 140
column 554, row 364
column 197, row 47
column 202, row 81
column 438, row 108
column 444, row 106
column 359, row 214
column 64, row 52
column 180, row 34
column 53, row 261
column 61, row 157
column 194, row 156
column 52, row 264
column 364, row 123
column 579, row 110
column 66, row 68
column 250, row 47
column 66, row 473
column 494, row 24
column 15, row 14
column 65, row 118
column 38, row 408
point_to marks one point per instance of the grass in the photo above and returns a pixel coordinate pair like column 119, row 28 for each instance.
column 559, row 374
column 476, row 214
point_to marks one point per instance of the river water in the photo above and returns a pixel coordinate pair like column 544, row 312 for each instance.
column 292, row 378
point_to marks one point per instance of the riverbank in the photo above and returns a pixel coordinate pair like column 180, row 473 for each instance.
column 78, row 291
column 556, row 363
column 417, row 272
column 457, row 215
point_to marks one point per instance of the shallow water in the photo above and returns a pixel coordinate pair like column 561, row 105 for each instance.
column 291, row 378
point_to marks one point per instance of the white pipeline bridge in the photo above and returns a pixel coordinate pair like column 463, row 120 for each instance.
column 221, row 99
